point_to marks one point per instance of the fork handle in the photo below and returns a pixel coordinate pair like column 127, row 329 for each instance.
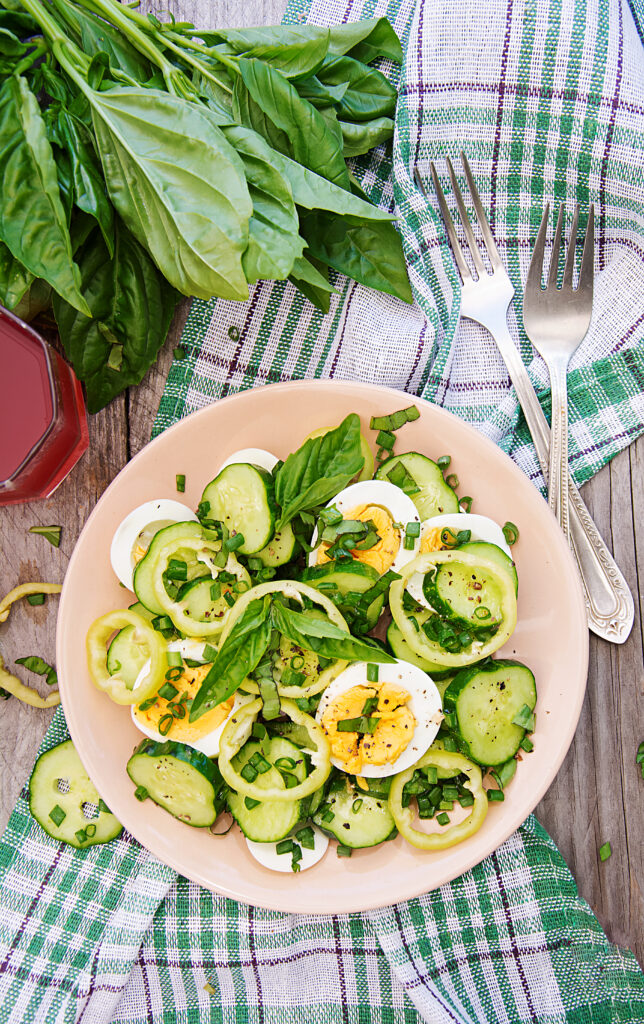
column 609, row 602
column 558, row 465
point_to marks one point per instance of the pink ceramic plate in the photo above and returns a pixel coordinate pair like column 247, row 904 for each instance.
column 551, row 637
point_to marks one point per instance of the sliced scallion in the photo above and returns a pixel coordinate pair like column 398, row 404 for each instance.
column 249, row 803
column 57, row 814
column 50, row 533
column 141, row 793
column 511, row 533
column 525, row 718
column 168, row 691
column 363, row 724
column 386, row 440
column 452, row 481
column 605, row 851
column 268, row 693
column 442, row 818
column 343, row 851
column 35, row 599
column 495, row 795
column 306, row 837
column 372, row 674
column 284, row 846
column 181, row 482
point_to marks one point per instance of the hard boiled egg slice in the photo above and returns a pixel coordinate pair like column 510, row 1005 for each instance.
column 133, row 536
column 254, row 456
column 481, row 528
column 204, row 734
column 266, row 853
column 408, row 709
column 389, row 508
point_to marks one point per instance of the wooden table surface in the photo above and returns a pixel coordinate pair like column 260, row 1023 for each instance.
column 598, row 795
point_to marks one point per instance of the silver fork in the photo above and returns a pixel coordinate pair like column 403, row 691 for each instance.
column 486, row 300
column 556, row 321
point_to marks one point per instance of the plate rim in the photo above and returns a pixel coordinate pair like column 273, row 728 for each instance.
column 514, row 819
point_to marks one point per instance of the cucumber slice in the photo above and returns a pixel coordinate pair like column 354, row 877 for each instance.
column 474, row 596
column 180, row 779
column 60, row 794
column 493, row 553
column 143, row 586
column 243, row 497
column 196, row 599
column 485, row 700
column 401, row 649
column 269, row 820
column 125, row 657
column 435, row 496
column 141, row 610
column 355, row 824
column 280, row 550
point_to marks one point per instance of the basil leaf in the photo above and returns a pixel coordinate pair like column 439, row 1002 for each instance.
column 240, row 654
column 366, row 40
column 360, row 138
column 320, row 468
column 320, row 95
column 15, row 279
column 370, row 253
column 32, row 219
column 11, row 45
column 89, row 185
column 324, row 638
column 35, row 664
column 19, row 22
column 130, row 303
column 309, row 140
column 369, row 93
column 316, row 193
column 251, row 115
column 298, row 55
column 35, row 300
column 312, row 279
column 274, row 241
column 96, row 35
column 217, row 96
column 191, row 208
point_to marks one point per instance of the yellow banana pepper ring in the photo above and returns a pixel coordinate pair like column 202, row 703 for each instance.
column 24, row 590
column 404, row 816
column 238, row 730
column 16, row 688
column 98, row 636
column 419, row 642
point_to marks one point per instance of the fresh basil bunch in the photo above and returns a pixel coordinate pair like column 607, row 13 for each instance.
column 142, row 160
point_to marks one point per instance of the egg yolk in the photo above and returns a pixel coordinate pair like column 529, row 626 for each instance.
column 391, row 736
column 431, row 541
column 181, row 729
column 381, row 556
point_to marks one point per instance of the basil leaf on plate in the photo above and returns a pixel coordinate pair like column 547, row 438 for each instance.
column 324, row 637
column 320, row 468
column 131, row 306
column 191, row 208
column 240, row 654
column 32, row 219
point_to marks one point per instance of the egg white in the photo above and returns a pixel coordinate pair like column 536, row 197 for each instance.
column 151, row 516
column 254, row 456
column 377, row 492
column 267, row 855
column 425, row 704
column 481, row 527
column 208, row 744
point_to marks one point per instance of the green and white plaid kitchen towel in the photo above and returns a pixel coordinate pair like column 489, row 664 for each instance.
column 548, row 101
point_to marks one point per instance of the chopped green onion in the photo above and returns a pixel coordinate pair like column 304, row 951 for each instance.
column 495, row 795
column 463, row 537
column 249, row 803
column 229, row 599
column 81, row 835
column 466, row 503
column 248, row 772
column 511, row 533
column 412, row 530
column 174, row 659
column 444, row 461
column 306, row 837
column 57, row 814
column 401, row 477
column 90, row 830
column 102, row 806
column 328, row 816
column 258, row 731
column 605, row 851
column 168, row 691
column 343, row 851
column 525, row 718
column 431, row 774
column 362, row 724
column 177, row 570
column 285, row 846
column 162, row 622
column 408, row 543
column 181, row 482
column 179, row 353
column 369, row 705
column 450, row 745
column 141, row 793
column 50, row 533
column 450, row 792
column 452, row 481
column 504, row 773
column 466, row 800
column 296, row 662
column 147, row 704
column 173, row 674
column 259, row 763
column 386, row 440
column 446, row 805
column 296, row 856
column 356, row 805
column 165, row 724
column 234, row 542
column 482, row 613
column 285, row 762
column 35, row 599
column 290, row 780
column 395, row 420
column 209, row 652
column 372, row 675
column 268, row 693
column 443, row 818
column 527, row 745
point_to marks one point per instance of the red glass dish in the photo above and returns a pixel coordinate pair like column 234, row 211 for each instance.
column 43, row 422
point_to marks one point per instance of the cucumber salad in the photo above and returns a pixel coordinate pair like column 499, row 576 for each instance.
column 310, row 652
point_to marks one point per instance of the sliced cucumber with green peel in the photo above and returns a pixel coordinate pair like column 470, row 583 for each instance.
column 357, row 820
column 280, row 550
column 493, row 553
column 243, row 498
column 126, row 657
column 143, row 585
column 196, row 598
column 141, row 610
column 401, row 649
column 269, row 820
column 180, row 779
column 470, row 595
column 64, row 800
column 483, row 701
column 434, row 496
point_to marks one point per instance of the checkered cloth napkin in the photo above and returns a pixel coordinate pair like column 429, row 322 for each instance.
column 547, row 99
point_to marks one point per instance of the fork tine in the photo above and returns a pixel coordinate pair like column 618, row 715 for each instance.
column 465, row 220
column 556, row 248
column 570, row 255
column 535, row 270
column 490, row 244
column 587, row 269
column 463, row 268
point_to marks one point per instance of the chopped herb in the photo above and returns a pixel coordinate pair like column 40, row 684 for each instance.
column 605, row 851
column 35, row 599
column 525, row 718
column 147, row 704
column 259, row 731
column 495, row 795
column 452, row 481
column 356, row 805
column 81, row 835
column 527, row 745
column 395, row 420
column 369, row 706
column 412, row 530
column 431, row 774
column 102, row 806
column 372, row 676
column 90, row 830
column 165, row 724
column 249, row 803
column 401, row 477
column 306, row 837
column 284, row 846
column 444, row 461
column 443, row 818
column 362, row 724
column 50, row 533
column 57, row 814
column 328, row 816
column 511, row 533
column 344, row 851
column 181, row 482
column 285, row 762
column 249, row 773
column 173, row 674
column 35, row 664
column 209, row 652
column 179, row 353
column 466, row 503
column 504, row 773
column 141, row 793
column 386, row 440
column 466, row 800
column 168, row 691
